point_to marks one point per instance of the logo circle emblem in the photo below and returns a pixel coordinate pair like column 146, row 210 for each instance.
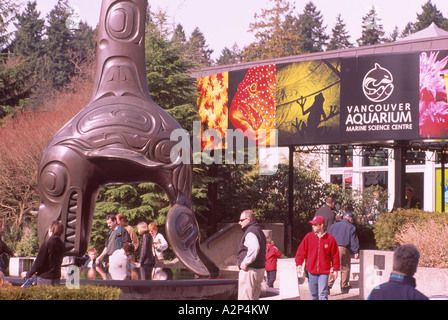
column 378, row 84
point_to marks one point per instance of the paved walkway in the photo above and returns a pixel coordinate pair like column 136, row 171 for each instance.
column 289, row 287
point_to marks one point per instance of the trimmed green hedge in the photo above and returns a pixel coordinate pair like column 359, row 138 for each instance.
column 390, row 224
column 87, row 292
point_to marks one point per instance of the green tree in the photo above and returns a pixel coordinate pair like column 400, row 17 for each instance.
column 169, row 81
column 311, row 27
column 82, row 47
column 275, row 33
column 198, row 49
column 30, row 30
column 23, row 72
column 16, row 83
column 230, row 56
column 59, row 67
column 408, row 30
column 429, row 15
column 372, row 29
column 8, row 11
column 339, row 36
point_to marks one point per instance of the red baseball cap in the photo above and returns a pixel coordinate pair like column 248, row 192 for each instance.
column 317, row 220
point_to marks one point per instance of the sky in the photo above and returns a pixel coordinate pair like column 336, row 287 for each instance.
column 225, row 23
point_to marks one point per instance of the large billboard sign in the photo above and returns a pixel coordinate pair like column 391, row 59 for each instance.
column 370, row 98
column 380, row 98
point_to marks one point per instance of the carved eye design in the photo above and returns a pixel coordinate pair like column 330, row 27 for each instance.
column 54, row 179
column 122, row 21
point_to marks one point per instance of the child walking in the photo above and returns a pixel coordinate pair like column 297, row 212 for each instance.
column 272, row 254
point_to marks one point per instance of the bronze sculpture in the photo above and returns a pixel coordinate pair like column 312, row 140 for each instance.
column 121, row 136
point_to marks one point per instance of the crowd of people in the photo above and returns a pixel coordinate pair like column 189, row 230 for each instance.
column 116, row 261
column 322, row 254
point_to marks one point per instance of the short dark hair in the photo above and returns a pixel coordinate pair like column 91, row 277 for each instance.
column 406, row 259
column 56, row 228
column 111, row 217
column 329, row 200
column 128, row 248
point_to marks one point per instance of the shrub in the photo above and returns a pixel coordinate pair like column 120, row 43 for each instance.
column 433, row 252
column 88, row 292
column 391, row 224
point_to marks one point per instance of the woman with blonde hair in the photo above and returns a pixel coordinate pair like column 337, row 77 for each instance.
column 159, row 242
column 147, row 260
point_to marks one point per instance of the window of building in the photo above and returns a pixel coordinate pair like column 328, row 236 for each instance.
column 340, row 156
column 372, row 157
column 375, row 178
column 415, row 157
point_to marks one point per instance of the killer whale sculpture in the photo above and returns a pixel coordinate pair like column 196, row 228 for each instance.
column 120, row 136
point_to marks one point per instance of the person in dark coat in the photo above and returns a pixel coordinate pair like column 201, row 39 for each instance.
column 147, row 259
column 251, row 257
column 401, row 285
column 327, row 213
column 47, row 266
column 347, row 238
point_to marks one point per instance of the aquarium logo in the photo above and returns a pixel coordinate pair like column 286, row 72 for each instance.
column 378, row 84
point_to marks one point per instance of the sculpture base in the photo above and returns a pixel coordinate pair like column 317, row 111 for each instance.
column 180, row 284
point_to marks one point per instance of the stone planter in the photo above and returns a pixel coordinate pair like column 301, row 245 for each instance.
column 376, row 266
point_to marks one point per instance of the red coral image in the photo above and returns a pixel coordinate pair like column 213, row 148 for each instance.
column 253, row 108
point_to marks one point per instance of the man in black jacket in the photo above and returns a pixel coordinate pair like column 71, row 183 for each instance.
column 251, row 257
column 327, row 213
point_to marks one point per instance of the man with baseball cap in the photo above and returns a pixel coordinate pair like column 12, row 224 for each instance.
column 347, row 238
column 320, row 252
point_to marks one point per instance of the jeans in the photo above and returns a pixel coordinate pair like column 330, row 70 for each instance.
column 318, row 285
column 271, row 275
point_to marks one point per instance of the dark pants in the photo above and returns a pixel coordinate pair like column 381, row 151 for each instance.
column 47, row 282
column 146, row 271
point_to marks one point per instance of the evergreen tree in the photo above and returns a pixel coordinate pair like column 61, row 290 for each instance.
column 312, row 30
column 8, row 11
column 372, row 29
column 179, row 35
column 169, row 81
column 59, row 68
column 198, row 49
column 30, row 29
column 82, row 48
column 394, row 35
column 339, row 36
column 17, row 75
column 429, row 15
column 408, row 30
column 230, row 56
column 275, row 33
column 16, row 83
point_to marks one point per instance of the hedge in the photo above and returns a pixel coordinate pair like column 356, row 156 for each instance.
column 390, row 224
column 88, row 292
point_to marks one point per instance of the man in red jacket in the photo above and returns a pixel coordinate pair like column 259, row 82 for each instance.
column 320, row 252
